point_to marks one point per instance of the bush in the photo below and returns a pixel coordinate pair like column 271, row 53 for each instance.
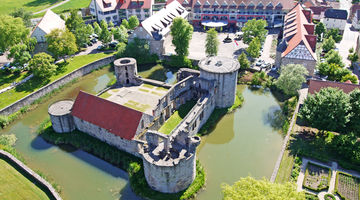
column 140, row 50
column 179, row 62
column 4, row 120
column 329, row 197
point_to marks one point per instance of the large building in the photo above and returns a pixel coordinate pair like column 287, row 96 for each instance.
column 335, row 18
column 49, row 22
column 235, row 13
column 156, row 29
column 299, row 41
column 116, row 10
column 129, row 117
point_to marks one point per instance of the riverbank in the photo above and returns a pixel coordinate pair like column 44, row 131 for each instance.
column 131, row 164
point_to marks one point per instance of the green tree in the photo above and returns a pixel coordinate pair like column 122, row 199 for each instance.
column 254, row 29
column 97, row 28
column 125, row 23
column 140, row 50
column 111, row 24
column 42, row 65
column 61, row 43
column 254, row 48
column 31, row 43
column 90, row 28
column 120, row 33
column 76, row 25
column 105, row 35
column 353, row 57
column 133, row 22
column 350, row 77
column 244, row 62
column 354, row 122
column 250, row 188
column 334, row 57
column 292, row 76
column 12, row 31
column 20, row 54
column 212, row 43
column 320, row 30
column 24, row 15
column 120, row 49
column 328, row 44
column 181, row 32
column 351, row 50
column 329, row 104
column 335, row 33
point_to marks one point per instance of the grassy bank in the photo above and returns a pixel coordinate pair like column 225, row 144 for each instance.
column 123, row 160
column 218, row 113
column 34, row 83
column 177, row 117
column 66, row 7
column 8, row 6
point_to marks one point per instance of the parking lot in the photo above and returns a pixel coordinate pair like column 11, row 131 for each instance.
column 197, row 46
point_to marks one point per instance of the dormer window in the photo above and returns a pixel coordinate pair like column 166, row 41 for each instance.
column 224, row 4
column 185, row 2
column 198, row 3
column 279, row 6
column 270, row 6
column 207, row 3
column 216, row 3
column 260, row 6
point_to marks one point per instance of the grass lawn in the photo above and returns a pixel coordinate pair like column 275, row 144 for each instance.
column 7, row 79
column 72, row 4
column 13, row 185
column 156, row 72
column 34, row 83
column 285, row 168
column 176, row 118
column 137, row 106
column 7, row 6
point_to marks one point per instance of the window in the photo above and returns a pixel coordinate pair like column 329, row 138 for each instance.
column 142, row 123
column 202, row 115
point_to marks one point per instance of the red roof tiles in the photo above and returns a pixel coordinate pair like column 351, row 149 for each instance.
column 317, row 85
column 115, row 118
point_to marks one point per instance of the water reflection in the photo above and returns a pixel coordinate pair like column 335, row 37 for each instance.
column 274, row 117
column 224, row 136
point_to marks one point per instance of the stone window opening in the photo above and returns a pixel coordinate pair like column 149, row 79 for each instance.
column 127, row 75
column 125, row 68
column 127, row 81
column 201, row 115
column 142, row 124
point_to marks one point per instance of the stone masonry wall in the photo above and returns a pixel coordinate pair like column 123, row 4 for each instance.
column 56, row 84
column 171, row 178
column 308, row 64
column 130, row 146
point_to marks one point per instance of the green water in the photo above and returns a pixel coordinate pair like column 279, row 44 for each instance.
column 243, row 143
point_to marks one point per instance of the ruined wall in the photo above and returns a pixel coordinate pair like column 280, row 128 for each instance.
column 130, row 146
column 126, row 71
column 186, row 72
column 308, row 64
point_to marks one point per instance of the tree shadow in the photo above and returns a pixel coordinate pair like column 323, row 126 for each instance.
column 32, row 84
column 36, row 3
column 239, row 51
column 275, row 118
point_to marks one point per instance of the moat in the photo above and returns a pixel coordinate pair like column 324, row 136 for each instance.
column 242, row 143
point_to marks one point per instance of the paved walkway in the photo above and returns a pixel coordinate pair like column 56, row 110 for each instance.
column 334, row 169
column 51, row 7
column 348, row 41
column 265, row 54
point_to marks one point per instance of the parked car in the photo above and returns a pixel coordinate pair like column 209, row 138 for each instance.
column 258, row 63
column 94, row 40
column 100, row 47
column 130, row 32
column 1, row 53
column 90, row 43
column 113, row 44
column 85, row 45
column 94, row 35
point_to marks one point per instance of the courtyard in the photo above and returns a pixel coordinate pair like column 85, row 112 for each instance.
column 143, row 98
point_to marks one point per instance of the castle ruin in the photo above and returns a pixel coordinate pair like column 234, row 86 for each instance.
column 132, row 111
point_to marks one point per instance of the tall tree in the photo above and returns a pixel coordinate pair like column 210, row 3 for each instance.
column 76, row 25
column 320, row 30
column 20, row 54
column 334, row 57
column 61, row 43
column 125, row 23
column 212, row 43
column 329, row 104
column 254, row 28
column 23, row 14
column 42, row 65
column 120, row 33
column 328, row 44
column 292, row 76
column 254, row 48
column 90, row 28
column 354, row 122
column 97, row 28
column 12, row 31
column 105, row 35
column 111, row 24
column 133, row 22
column 181, row 32
column 335, row 33
column 31, row 43
column 244, row 62
column 250, row 188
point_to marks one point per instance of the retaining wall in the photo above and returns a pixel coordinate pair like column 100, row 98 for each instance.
column 50, row 190
column 27, row 100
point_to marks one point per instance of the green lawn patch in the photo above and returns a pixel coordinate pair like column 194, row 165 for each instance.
column 143, row 90
column 162, row 89
column 137, row 106
column 152, row 92
column 121, row 159
column 176, row 118
column 157, row 72
column 7, row 79
column 148, row 86
column 14, row 185
column 286, row 166
column 34, row 83
column 8, row 6
column 105, row 95
column 66, row 7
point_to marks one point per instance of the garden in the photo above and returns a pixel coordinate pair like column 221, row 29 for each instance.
column 347, row 186
column 316, row 177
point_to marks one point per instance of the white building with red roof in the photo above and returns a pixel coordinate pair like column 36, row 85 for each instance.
column 116, row 10
column 49, row 22
column 299, row 41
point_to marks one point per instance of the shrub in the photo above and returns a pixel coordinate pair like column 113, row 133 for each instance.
column 329, row 197
column 4, row 120
column 179, row 61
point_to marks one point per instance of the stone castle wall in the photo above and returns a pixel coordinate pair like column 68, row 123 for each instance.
column 56, row 84
column 130, row 146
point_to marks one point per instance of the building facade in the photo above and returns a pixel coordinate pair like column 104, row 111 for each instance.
column 49, row 22
column 335, row 18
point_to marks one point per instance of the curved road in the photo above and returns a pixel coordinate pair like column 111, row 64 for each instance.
column 51, row 7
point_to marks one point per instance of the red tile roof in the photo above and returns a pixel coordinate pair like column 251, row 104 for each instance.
column 299, row 30
column 353, row 10
column 115, row 118
column 317, row 85
column 134, row 4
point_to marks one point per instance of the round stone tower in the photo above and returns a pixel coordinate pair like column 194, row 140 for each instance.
column 126, row 71
column 172, row 170
column 60, row 115
column 224, row 71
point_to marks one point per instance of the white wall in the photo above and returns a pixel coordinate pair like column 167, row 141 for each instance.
column 334, row 23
